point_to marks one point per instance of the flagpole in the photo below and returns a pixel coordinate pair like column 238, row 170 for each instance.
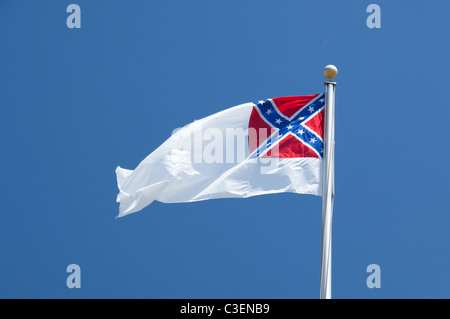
column 330, row 72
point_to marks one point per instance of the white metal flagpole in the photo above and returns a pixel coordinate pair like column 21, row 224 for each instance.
column 330, row 72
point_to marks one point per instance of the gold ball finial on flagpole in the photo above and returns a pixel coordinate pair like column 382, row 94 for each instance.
column 330, row 71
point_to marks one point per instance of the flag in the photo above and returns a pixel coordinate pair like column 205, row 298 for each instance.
column 264, row 147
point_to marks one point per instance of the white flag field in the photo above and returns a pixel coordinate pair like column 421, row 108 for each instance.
column 266, row 147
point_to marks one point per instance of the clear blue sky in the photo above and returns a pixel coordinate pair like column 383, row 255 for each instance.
column 75, row 103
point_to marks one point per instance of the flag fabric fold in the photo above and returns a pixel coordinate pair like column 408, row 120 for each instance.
column 266, row 147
